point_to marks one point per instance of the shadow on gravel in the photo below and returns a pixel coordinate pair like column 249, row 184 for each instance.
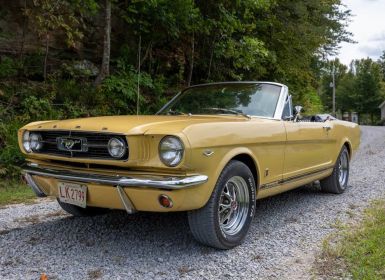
column 117, row 234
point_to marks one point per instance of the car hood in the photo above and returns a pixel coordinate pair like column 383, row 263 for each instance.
column 133, row 125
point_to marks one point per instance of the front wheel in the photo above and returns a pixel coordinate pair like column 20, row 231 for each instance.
column 225, row 219
column 337, row 182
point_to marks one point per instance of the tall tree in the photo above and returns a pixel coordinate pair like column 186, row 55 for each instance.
column 361, row 89
column 50, row 17
column 367, row 87
column 381, row 61
column 105, row 67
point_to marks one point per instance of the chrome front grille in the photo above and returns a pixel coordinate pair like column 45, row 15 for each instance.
column 93, row 144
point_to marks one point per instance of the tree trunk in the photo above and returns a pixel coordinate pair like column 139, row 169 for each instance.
column 191, row 61
column 21, row 53
column 105, row 67
column 46, row 56
column 146, row 54
column 210, row 62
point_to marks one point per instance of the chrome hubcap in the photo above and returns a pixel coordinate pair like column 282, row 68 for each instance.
column 233, row 205
column 343, row 169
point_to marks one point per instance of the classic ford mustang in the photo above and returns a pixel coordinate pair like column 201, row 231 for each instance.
column 213, row 150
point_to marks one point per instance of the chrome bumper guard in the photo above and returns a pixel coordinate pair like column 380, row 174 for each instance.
column 118, row 181
column 34, row 186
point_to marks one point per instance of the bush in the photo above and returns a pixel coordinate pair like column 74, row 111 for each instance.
column 10, row 155
column 8, row 67
column 121, row 90
column 67, row 93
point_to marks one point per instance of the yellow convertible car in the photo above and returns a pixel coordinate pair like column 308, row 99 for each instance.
column 212, row 151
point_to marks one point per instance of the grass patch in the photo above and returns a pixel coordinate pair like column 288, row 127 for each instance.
column 14, row 192
column 359, row 252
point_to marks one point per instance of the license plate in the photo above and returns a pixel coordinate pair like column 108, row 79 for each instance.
column 72, row 193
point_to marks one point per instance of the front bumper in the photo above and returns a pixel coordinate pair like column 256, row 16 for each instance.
column 159, row 182
column 110, row 184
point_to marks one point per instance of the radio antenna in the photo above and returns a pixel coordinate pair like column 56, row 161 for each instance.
column 138, row 85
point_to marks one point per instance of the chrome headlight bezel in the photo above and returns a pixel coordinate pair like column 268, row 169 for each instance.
column 32, row 141
column 117, row 144
column 26, row 142
column 171, row 150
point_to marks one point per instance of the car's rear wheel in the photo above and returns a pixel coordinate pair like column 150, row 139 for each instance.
column 337, row 182
column 81, row 212
column 225, row 220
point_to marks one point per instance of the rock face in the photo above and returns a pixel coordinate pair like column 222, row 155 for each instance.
column 18, row 39
column 81, row 68
column 282, row 242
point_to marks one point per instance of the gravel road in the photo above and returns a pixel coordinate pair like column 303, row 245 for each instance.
column 282, row 243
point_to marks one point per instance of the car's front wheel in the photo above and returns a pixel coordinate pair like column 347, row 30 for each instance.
column 81, row 212
column 225, row 220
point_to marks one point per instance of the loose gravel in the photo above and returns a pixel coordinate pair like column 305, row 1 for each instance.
column 282, row 243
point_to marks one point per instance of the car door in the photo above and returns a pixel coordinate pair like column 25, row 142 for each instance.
column 309, row 147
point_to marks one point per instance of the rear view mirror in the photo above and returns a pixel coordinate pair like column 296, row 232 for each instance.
column 297, row 112
column 298, row 109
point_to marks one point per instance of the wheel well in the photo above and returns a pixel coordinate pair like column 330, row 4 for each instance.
column 249, row 161
column 347, row 145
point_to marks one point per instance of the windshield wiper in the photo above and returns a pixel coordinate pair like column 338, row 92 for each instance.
column 174, row 113
column 235, row 112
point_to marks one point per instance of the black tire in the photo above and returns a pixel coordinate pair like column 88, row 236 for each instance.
column 81, row 212
column 205, row 223
column 335, row 183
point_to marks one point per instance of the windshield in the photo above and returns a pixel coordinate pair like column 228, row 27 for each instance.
column 226, row 99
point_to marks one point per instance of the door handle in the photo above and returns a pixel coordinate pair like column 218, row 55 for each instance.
column 327, row 127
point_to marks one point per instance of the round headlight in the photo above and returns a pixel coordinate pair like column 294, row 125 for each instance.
column 171, row 150
column 35, row 141
column 116, row 147
column 26, row 143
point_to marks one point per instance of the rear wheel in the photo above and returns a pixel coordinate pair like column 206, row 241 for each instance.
column 337, row 182
column 225, row 220
column 81, row 212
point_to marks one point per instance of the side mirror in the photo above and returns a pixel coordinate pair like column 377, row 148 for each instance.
column 297, row 112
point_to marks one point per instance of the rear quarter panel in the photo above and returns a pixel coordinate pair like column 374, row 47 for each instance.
column 346, row 132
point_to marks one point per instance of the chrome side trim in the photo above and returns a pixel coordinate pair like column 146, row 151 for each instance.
column 125, row 200
column 293, row 179
column 159, row 182
column 34, row 186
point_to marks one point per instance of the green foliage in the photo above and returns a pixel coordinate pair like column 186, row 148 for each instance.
column 32, row 66
column 8, row 67
column 311, row 102
column 122, row 88
column 381, row 62
column 326, row 74
column 15, row 192
column 49, row 16
column 37, row 108
column 51, row 72
column 362, row 89
column 362, row 248
column 368, row 93
column 9, row 149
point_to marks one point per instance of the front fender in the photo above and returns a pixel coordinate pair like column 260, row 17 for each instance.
column 213, row 165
